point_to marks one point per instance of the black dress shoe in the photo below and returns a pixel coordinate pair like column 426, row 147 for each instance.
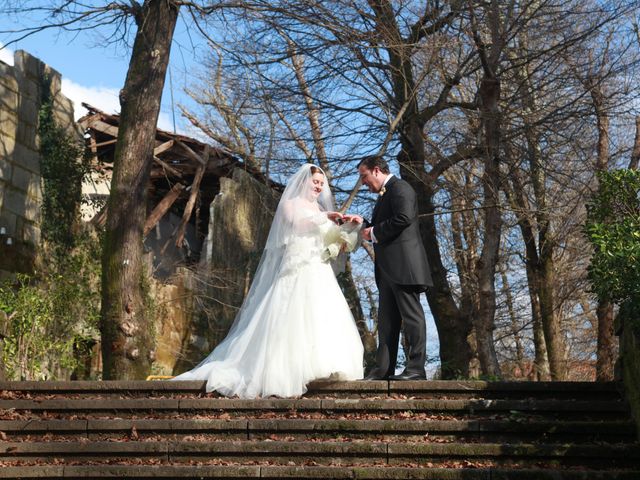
column 408, row 376
column 374, row 376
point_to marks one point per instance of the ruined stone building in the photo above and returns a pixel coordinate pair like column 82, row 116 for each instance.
column 208, row 215
column 20, row 181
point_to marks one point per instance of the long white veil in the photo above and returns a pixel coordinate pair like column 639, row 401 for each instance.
column 286, row 225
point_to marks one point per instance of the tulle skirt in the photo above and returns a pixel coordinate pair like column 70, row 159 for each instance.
column 301, row 330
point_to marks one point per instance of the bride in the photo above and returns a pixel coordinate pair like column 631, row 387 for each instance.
column 294, row 326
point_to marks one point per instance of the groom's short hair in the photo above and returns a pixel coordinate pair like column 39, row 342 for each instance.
column 372, row 161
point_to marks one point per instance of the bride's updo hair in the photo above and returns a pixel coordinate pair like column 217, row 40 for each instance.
column 315, row 170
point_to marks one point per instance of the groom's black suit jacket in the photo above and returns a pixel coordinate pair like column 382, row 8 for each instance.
column 399, row 249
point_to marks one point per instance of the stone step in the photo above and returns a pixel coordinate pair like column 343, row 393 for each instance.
column 301, row 453
column 274, row 472
column 623, row 431
column 607, row 408
column 432, row 389
column 159, row 429
column 104, row 387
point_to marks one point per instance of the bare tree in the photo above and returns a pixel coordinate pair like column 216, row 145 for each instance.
column 491, row 54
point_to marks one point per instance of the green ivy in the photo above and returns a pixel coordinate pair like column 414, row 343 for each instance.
column 63, row 165
column 613, row 228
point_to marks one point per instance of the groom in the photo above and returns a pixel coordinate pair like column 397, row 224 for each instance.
column 401, row 270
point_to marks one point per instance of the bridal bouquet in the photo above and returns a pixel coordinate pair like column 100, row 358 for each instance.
column 343, row 238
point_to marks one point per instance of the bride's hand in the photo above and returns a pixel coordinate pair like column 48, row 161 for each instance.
column 335, row 217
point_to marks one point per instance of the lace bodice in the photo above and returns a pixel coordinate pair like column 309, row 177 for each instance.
column 307, row 245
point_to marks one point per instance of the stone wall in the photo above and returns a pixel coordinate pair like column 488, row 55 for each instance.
column 628, row 369
column 20, row 181
column 174, row 312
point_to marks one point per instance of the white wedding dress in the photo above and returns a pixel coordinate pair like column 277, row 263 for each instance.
column 295, row 325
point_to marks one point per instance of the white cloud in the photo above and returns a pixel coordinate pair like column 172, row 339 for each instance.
column 6, row 55
column 103, row 98
column 165, row 122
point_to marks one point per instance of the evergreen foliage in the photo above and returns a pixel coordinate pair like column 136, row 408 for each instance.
column 613, row 227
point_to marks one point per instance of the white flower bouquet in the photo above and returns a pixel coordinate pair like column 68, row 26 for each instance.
column 338, row 239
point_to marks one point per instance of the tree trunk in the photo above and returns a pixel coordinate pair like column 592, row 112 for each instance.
column 369, row 341
column 520, row 206
column 542, row 279
column 515, row 327
column 126, row 327
column 350, row 290
column 605, row 352
column 548, row 339
column 635, row 154
column 553, row 336
column 490, row 116
column 540, row 263
column 541, row 366
column 453, row 325
column 606, row 356
column 484, row 321
column 465, row 241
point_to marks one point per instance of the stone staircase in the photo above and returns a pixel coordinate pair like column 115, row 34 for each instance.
column 456, row 430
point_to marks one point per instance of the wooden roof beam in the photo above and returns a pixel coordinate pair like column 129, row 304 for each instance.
column 162, row 207
column 112, row 130
column 167, row 167
column 104, row 127
column 85, row 122
column 193, row 154
column 104, row 144
column 163, row 147
column 195, row 189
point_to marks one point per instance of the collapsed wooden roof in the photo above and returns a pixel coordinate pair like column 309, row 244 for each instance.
column 178, row 162
column 174, row 155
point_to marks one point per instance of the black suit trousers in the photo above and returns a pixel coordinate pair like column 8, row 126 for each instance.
column 400, row 309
